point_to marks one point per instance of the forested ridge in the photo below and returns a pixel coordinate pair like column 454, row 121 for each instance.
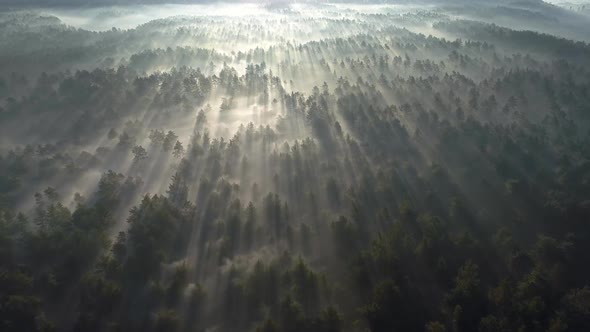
column 345, row 173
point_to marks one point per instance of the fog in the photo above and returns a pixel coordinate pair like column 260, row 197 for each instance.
column 129, row 17
column 294, row 166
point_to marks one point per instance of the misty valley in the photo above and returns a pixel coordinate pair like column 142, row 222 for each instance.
column 295, row 166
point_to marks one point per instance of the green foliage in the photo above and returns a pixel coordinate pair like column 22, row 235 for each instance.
column 394, row 181
column 166, row 321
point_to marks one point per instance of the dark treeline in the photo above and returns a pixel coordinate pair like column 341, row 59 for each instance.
column 376, row 181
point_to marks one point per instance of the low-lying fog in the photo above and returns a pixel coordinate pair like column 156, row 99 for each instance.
column 131, row 16
column 534, row 15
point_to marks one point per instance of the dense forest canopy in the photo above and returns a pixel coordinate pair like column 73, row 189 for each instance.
column 295, row 166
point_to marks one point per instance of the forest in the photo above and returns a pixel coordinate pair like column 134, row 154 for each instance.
column 294, row 166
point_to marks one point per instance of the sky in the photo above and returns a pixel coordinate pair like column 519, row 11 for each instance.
column 125, row 2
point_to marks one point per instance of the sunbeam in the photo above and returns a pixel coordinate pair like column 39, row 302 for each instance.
column 287, row 166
